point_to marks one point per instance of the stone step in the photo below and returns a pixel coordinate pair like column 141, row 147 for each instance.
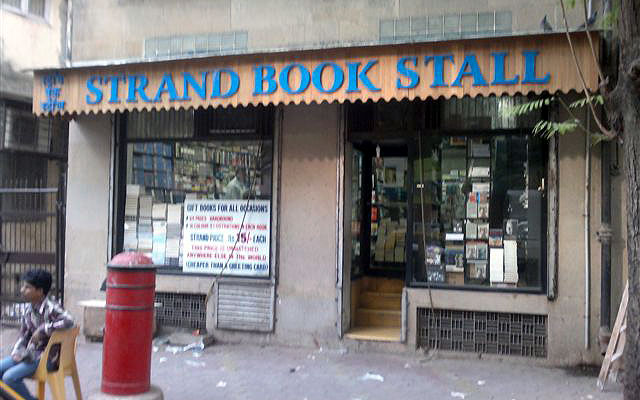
column 386, row 285
column 372, row 317
column 380, row 300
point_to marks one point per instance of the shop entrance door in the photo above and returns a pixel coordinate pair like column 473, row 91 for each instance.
column 377, row 187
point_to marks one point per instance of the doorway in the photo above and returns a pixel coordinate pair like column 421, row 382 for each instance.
column 378, row 177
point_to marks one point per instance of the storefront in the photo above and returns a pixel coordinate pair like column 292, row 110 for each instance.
column 375, row 193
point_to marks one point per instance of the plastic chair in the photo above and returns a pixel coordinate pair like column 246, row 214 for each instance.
column 57, row 361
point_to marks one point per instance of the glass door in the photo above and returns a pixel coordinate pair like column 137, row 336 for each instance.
column 389, row 180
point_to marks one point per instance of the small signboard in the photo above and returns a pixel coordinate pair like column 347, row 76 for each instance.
column 228, row 237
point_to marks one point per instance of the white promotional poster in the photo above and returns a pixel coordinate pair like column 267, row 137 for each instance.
column 211, row 229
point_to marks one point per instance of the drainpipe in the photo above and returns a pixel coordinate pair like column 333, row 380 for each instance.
column 587, row 232
column 604, row 233
column 67, row 56
column 604, row 237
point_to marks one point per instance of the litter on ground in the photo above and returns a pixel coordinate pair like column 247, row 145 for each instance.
column 372, row 377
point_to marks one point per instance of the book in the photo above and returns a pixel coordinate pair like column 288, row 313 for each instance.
column 433, row 255
column 483, row 230
column 510, row 261
column 477, row 270
column 496, row 265
column 471, row 230
column 495, row 237
column 472, row 205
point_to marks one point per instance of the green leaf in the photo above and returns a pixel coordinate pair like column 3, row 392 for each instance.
column 526, row 108
column 596, row 99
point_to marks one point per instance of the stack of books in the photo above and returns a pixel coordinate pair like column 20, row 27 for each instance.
column 145, row 231
column 159, row 221
column 511, row 261
column 131, row 217
column 173, row 234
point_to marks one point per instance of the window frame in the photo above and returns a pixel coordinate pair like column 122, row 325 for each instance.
column 545, row 262
column 23, row 10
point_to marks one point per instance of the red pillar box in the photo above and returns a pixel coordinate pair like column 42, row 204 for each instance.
column 126, row 351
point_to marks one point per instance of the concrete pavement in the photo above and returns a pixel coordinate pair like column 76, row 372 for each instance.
column 247, row 372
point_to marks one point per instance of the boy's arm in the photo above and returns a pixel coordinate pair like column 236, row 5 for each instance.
column 59, row 318
column 21, row 343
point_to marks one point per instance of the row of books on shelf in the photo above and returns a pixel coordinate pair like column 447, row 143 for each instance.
column 478, row 255
column 152, row 162
column 161, row 149
column 478, row 205
column 390, row 241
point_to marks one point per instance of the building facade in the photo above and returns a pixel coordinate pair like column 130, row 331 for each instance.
column 340, row 173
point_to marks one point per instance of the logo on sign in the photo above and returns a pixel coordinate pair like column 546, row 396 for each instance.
column 52, row 92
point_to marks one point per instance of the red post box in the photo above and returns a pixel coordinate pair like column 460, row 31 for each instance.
column 126, row 351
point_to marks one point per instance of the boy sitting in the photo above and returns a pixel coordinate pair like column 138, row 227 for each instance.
column 42, row 316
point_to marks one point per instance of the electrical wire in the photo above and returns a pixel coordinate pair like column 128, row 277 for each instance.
column 250, row 197
column 424, row 239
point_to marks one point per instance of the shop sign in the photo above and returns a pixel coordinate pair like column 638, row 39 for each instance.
column 267, row 80
column 231, row 237
column 439, row 69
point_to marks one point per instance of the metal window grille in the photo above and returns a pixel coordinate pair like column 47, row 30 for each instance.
column 483, row 332
column 181, row 310
column 202, row 44
column 437, row 27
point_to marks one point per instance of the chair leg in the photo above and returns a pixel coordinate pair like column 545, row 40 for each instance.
column 56, row 383
column 76, row 383
column 40, row 390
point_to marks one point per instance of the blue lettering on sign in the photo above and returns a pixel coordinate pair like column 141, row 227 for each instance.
column 471, row 62
column 166, row 86
column 225, row 82
column 260, row 78
column 97, row 92
column 438, row 68
column 413, row 76
column 115, row 80
column 498, row 71
column 52, row 92
column 199, row 88
column 304, row 78
column 137, row 84
column 355, row 77
column 530, row 69
column 234, row 83
column 338, row 77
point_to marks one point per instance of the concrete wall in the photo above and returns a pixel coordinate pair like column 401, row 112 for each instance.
column 46, row 43
column 306, row 309
column 116, row 29
column 88, row 194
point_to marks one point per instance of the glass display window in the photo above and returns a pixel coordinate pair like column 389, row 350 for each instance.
column 196, row 201
column 479, row 211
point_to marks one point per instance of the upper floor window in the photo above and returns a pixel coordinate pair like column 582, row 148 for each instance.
column 30, row 7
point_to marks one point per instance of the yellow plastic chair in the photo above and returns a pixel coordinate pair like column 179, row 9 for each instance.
column 65, row 340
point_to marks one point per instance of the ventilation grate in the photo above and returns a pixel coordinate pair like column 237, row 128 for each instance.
column 448, row 26
column 181, row 310
column 483, row 332
column 245, row 305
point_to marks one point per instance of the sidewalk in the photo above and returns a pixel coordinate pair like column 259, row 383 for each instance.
column 247, row 372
